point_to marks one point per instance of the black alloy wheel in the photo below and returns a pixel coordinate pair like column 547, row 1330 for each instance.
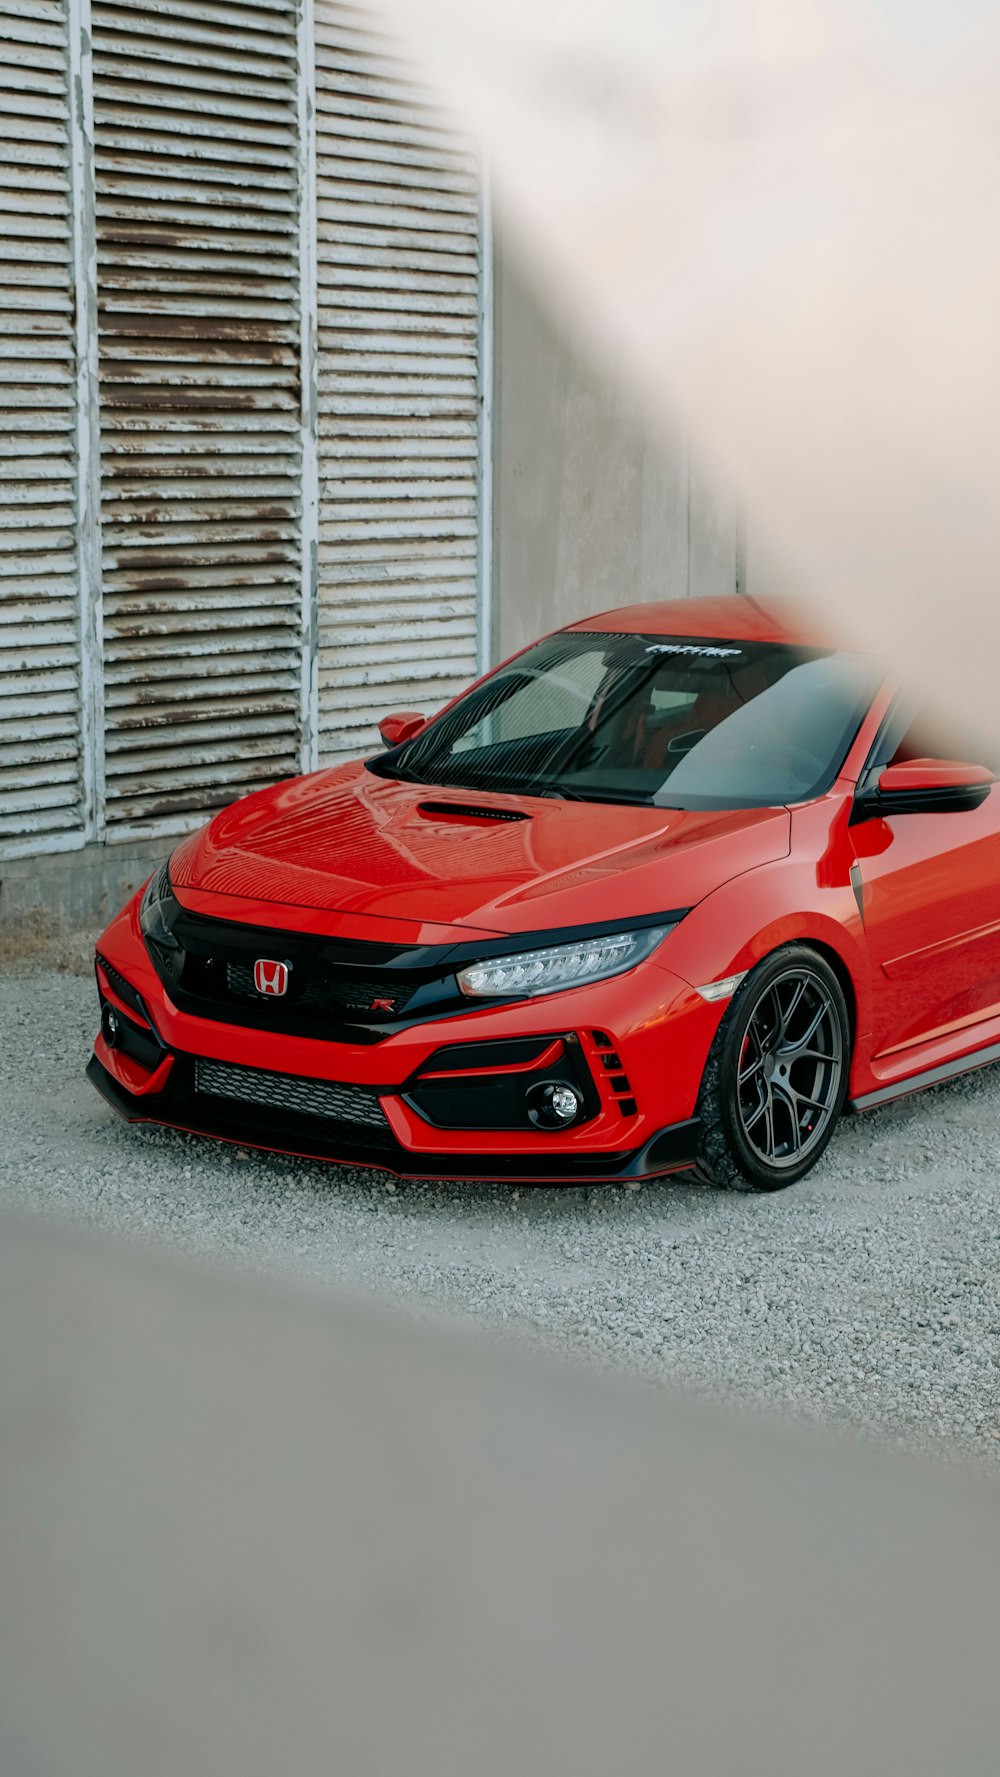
column 776, row 1076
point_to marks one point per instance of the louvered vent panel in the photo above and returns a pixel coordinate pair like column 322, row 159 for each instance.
column 40, row 722
column 398, row 388
column 197, row 218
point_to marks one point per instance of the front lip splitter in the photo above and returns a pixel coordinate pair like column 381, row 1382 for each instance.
column 178, row 1106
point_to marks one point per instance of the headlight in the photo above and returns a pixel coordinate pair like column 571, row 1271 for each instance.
column 531, row 972
column 157, row 899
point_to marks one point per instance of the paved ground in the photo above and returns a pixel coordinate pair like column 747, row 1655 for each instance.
column 866, row 1295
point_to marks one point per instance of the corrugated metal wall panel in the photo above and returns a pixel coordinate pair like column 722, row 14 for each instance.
column 399, row 387
column 41, row 791
column 198, row 183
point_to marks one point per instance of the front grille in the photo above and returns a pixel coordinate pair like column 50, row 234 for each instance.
column 327, row 1099
column 338, row 989
column 318, row 988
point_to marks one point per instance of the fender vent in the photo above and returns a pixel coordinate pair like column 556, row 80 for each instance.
column 124, row 989
column 471, row 811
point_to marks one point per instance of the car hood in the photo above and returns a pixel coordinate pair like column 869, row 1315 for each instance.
column 352, row 843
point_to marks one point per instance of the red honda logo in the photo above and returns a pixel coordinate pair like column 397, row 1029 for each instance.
column 270, row 977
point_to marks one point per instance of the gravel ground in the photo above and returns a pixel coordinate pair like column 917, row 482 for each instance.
column 866, row 1295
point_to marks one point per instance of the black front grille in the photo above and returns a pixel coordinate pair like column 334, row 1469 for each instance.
column 328, row 1100
column 318, row 987
column 351, row 990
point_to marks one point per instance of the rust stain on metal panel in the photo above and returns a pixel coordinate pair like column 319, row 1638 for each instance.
column 167, row 583
column 265, row 351
column 44, row 725
column 198, row 269
column 150, row 558
column 182, row 401
column 159, row 712
column 256, row 512
column 161, row 325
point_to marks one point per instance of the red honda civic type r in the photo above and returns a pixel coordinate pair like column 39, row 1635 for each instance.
column 669, row 889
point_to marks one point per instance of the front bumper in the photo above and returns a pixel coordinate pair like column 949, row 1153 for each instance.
column 179, row 1106
column 635, row 1046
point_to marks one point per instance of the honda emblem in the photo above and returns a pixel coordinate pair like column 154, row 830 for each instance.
column 270, row 977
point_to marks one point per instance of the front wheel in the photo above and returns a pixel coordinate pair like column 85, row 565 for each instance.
column 776, row 1076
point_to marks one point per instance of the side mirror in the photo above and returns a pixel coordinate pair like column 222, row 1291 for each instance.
column 395, row 729
column 928, row 786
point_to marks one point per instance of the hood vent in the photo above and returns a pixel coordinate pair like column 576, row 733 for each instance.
column 471, row 811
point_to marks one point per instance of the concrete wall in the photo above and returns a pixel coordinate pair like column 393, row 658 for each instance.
column 77, row 891
column 589, row 509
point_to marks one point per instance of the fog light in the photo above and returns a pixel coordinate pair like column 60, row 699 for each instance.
column 111, row 1025
column 553, row 1105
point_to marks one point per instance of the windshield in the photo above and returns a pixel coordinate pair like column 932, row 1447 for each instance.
column 667, row 721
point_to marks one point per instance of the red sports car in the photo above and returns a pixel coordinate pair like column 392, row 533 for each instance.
column 668, row 889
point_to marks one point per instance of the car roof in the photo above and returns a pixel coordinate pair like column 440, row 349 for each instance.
column 736, row 618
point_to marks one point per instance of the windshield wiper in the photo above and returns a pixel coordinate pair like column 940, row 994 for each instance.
column 396, row 772
column 557, row 792
column 571, row 793
column 552, row 790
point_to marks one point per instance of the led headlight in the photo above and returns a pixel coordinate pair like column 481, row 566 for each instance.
column 531, row 972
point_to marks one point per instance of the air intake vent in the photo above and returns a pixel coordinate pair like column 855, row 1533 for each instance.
column 472, row 811
column 287, row 1092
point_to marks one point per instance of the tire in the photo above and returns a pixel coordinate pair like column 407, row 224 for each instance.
column 776, row 1076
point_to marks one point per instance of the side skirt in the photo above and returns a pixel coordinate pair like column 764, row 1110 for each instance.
column 931, row 1076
